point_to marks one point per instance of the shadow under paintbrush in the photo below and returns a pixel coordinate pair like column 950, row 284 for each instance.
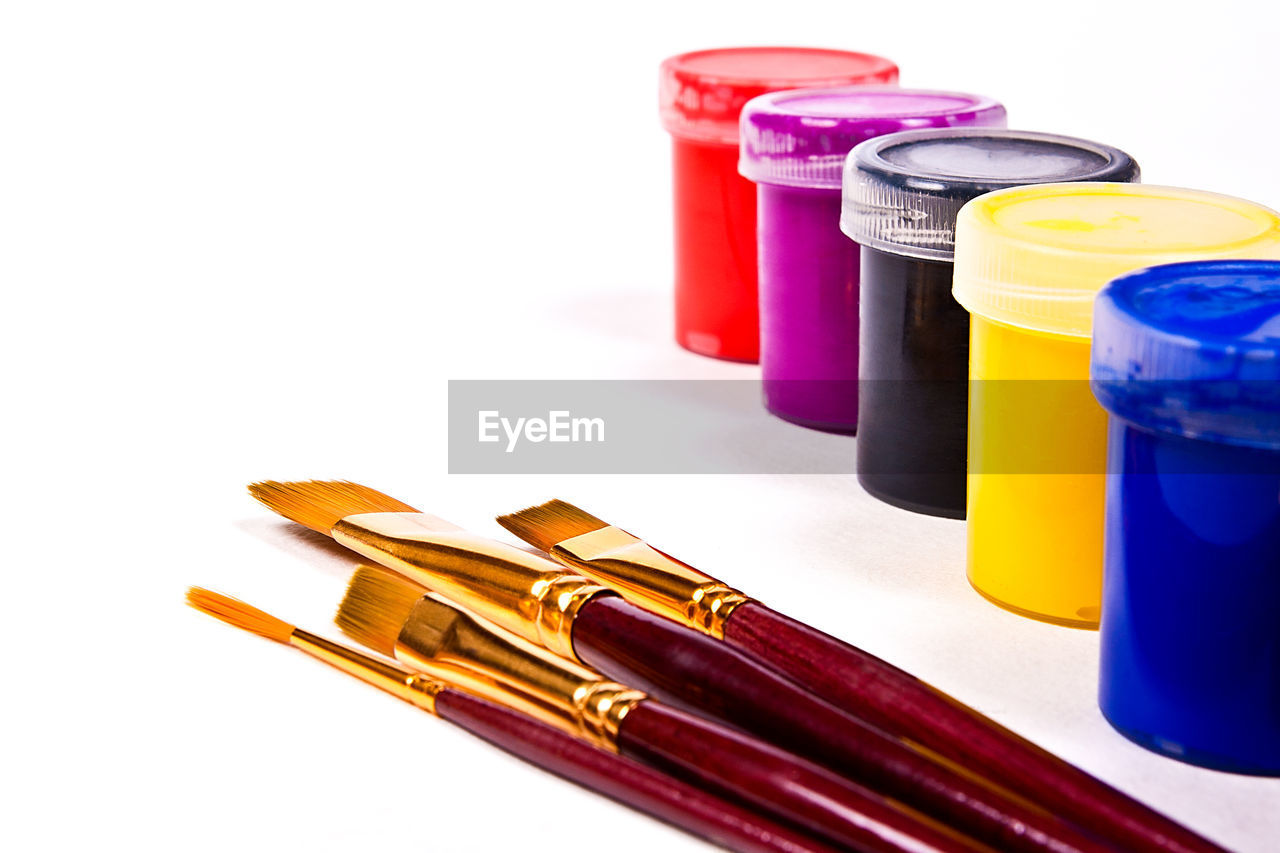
column 313, row 548
column 318, row 549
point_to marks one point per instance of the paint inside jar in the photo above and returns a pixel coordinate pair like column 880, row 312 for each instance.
column 808, row 309
column 1186, row 360
column 701, row 94
column 793, row 147
column 902, row 193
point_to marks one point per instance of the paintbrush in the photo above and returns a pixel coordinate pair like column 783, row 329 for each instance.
column 401, row 619
column 621, row 779
column 884, row 695
column 542, row 602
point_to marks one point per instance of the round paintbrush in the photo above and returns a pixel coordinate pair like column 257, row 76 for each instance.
column 619, row 778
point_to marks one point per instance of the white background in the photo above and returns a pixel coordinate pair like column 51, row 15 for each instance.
column 247, row 240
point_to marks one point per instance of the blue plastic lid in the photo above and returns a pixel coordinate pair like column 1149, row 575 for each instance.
column 1193, row 348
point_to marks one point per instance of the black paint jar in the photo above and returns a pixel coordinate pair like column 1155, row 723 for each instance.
column 901, row 195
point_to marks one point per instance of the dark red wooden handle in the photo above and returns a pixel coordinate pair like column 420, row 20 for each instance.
column 624, row 780
column 901, row 704
column 691, row 670
column 739, row 766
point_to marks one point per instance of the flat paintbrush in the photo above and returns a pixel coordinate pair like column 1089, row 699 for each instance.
column 619, row 778
column 881, row 693
column 399, row 618
column 563, row 611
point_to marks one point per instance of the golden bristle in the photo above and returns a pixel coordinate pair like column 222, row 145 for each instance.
column 241, row 615
column 377, row 604
column 320, row 504
column 544, row 525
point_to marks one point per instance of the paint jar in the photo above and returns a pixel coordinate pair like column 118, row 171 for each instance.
column 902, row 194
column 793, row 147
column 701, row 94
column 1029, row 262
column 1186, row 359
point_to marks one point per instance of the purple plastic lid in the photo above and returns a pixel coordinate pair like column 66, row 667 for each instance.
column 800, row 137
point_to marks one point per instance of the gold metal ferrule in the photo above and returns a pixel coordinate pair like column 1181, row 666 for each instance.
column 522, row 592
column 463, row 650
column 413, row 687
column 650, row 578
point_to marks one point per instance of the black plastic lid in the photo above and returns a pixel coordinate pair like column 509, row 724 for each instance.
column 902, row 191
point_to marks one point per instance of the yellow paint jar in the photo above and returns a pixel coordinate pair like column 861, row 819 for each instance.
column 1028, row 263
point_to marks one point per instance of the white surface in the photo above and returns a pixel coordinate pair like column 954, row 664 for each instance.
column 217, row 218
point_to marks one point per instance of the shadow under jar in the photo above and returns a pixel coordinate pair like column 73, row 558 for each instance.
column 902, row 193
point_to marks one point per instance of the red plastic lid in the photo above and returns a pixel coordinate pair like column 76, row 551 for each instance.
column 701, row 93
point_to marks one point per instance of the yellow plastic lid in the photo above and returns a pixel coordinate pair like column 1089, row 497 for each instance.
column 1036, row 256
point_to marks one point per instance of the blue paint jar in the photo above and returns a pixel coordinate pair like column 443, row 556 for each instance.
column 1186, row 360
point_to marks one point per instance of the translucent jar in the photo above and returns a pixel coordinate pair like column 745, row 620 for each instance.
column 902, row 194
column 793, row 147
column 700, row 96
column 1186, row 360
column 1029, row 262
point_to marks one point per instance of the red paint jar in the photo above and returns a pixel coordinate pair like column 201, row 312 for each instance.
column 717, row 309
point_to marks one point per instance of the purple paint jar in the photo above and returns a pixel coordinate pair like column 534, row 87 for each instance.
column 793, row 147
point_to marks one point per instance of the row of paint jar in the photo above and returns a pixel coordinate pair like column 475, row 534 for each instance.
column 917, row 265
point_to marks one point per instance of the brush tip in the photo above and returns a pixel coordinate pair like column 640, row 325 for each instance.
column 376, row 606
column 235, row 612
column 320, row 504
column 544, row 525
